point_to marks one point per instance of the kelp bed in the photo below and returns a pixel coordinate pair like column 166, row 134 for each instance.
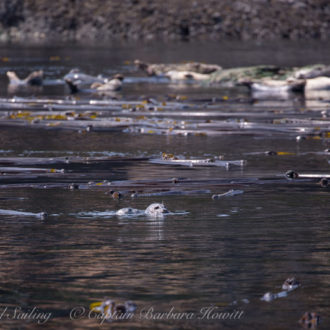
column 185, row 118
column 246, row 179
column 166, row 118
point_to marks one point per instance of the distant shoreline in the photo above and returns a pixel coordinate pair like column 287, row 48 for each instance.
column 100, row 20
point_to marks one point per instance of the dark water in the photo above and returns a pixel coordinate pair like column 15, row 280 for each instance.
column 222, row 251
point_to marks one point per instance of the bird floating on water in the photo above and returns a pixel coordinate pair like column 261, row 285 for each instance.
column 111, row 310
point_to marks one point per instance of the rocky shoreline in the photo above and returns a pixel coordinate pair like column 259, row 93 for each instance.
column 100, row 20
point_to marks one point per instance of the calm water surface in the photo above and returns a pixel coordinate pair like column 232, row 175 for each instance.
column 222, row 251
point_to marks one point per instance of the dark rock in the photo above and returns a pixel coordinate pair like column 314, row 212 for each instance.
column 171, row 19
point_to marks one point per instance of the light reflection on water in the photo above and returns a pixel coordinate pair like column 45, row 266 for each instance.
column 271, row 231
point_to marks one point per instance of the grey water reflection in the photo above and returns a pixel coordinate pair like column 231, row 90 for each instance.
column 222, row 251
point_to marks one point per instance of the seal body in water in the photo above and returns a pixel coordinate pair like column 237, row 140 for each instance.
column 154, row 209
column 128, row 211
column 33, row 79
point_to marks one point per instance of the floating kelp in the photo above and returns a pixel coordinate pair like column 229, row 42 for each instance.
column 13, row 198
column 272, row 153
column 20, row 170
column 198, row 162
column 14, row 213
column 229, row 193
column 171, row 193
column 101, row 214
column 160, row 118
column 320, row 178
column 23, row 161
column 185, row 185
column 269, row 296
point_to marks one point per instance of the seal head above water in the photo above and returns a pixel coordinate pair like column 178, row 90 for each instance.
column 156, row 209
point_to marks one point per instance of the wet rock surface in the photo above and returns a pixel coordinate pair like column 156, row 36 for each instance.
column 84, row 21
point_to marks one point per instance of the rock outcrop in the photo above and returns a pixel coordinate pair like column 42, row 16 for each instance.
column 100, row 20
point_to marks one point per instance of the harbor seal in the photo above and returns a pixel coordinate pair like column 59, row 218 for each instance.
column 161, row 69
column 271, row 86
column 154, row 210
column 33, row 79
column 128, row 211
column 77, row 81
column 114, row 84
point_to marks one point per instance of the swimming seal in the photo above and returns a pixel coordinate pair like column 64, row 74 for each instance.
column 156, row 209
